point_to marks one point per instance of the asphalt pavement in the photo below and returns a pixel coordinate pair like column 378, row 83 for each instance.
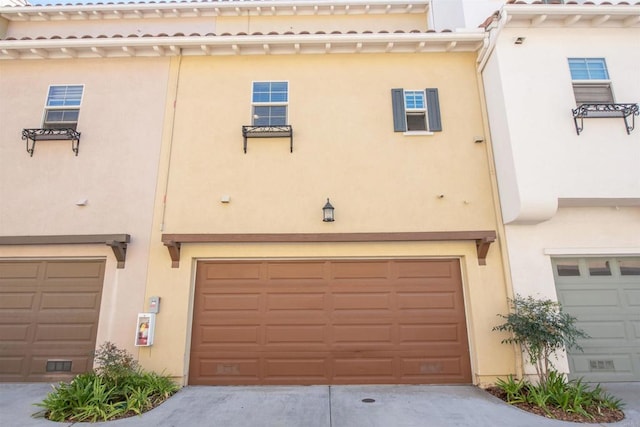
column 316, row 406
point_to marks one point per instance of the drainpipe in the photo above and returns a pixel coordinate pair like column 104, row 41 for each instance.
column 176, row 86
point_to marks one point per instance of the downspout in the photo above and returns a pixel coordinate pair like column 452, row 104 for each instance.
column 171, row 138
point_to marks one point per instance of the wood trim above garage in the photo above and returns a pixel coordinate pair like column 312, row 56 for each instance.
column 482, row 239
column 117, row 242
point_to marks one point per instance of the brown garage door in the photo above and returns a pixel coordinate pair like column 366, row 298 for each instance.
column 48, row 318
column 329, row 322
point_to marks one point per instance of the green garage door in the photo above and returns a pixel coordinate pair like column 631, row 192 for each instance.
column 604, row 295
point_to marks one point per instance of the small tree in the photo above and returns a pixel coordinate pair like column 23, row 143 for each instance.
column 541, row 328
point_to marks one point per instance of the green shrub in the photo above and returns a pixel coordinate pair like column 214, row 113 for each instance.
column 112, row 361
column 541, row 328
column 513, row 389
column 117, row 388
column 571, row 396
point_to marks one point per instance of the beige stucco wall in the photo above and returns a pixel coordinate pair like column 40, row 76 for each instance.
column 345, row 149
column 115, row 171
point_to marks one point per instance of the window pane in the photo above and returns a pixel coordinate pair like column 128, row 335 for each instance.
column 270, row 92
column 70, row 115
column 278, row 97
column 414, row 99
column 588, row 69
column 597, row 69
column 54, row 116
column 568, row 268
column 60, row 96
column 629, row 267
column 62, row 115
column 279, row 86
column 269, row 116
column 599, row 268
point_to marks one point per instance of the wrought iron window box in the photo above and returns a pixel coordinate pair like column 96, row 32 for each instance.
column 33, row 135
column 593, row 111
column 285, row 131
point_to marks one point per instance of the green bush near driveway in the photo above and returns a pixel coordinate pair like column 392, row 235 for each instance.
column 557, row 392
column 118, row 388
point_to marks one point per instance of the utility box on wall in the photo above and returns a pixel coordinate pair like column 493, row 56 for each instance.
column 145, row 329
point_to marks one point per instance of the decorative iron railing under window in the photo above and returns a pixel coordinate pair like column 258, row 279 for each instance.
column 592, row 111
column 33, row 135
column 284, row 131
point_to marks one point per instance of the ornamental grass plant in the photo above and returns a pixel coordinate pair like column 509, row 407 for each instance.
column 117, row 388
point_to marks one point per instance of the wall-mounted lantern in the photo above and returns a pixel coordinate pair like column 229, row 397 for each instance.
column 327, row 212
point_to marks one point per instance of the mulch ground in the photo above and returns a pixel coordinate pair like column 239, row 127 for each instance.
column 605, row 416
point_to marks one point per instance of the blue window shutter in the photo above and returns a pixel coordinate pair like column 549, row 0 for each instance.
column 399, row 116
column 433, row 110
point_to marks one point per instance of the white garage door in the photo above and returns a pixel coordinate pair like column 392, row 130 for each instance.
column 604, row 295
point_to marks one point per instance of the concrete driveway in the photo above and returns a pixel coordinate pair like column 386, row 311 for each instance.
column 317, row 406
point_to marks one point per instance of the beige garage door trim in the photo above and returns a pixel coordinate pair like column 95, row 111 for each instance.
column 339, row 321
column 49, row 313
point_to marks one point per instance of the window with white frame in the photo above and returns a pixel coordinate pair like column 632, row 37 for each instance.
column 416, row 110
column 269, row 103
column 590, row 79
column 63, row 107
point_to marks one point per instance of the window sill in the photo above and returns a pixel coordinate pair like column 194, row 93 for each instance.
column 417, row 133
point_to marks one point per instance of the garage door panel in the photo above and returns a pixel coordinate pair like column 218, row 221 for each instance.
column 235, row 272
column 12, row 367
column 429, row 333
column 296, row 335
column 599, row 364
column 606, row 330
column 362, row 334
column 361, row 301
column 296, row 302
column 303, row 368
column 360, row 270
column 434, row 366
column 68, row 300
column 80, row 271
column 19, row 270
column 591, row 298
column 16, row 332
column 15, row 301
column 79, row 364
column 64, row 333
column 212, row 302
column 357, row 369
column 229, row 334
column 422, row 300
column 632, row 298
column 296, row 271
column 330, row 322
column 422, row 269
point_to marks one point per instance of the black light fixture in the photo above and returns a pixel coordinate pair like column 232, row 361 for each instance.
column 327, row 212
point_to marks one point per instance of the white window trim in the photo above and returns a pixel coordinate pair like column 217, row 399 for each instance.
column 572, row 252
column 418, row 133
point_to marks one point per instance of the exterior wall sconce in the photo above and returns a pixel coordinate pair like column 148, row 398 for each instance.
column 327, row 212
